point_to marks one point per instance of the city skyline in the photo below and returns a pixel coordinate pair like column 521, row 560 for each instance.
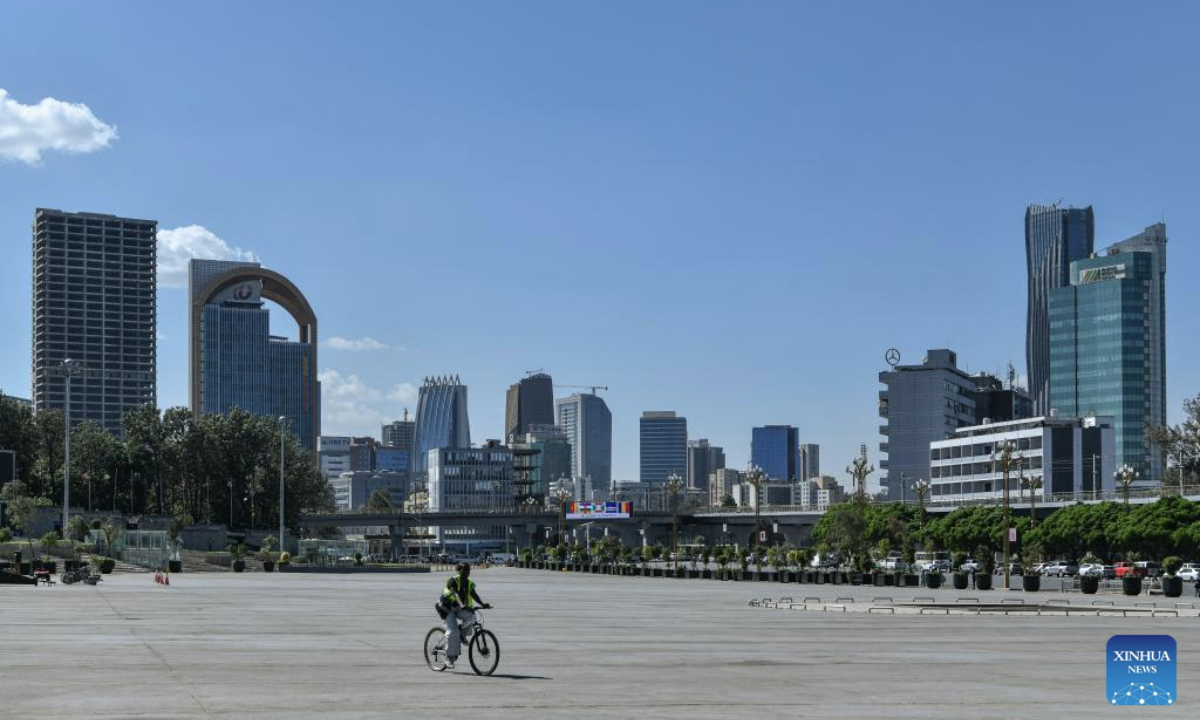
column 598, row 171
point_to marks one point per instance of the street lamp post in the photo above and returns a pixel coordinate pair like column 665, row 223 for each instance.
column 1034, row 482
column 756, row 478
column 1006, row 456
column 230, row 486
column 283, row 421
column 921, row 486
column 674, row 483
column 69, row 368
column 903, row 482
column 564, row 495
column 1126, row 476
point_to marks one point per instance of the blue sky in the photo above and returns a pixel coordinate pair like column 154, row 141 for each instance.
column 726, row 209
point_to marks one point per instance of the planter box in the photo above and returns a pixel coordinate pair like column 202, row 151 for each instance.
column 890, row 580
column 706, row 574
column 176, row 566
column 1031, row 583
column 1172, row 586
column 983, row 581
column 960, row 581
column 933, row 581
column 268, row 566
column 1089, row 584
column 879, row 580
column 912, row 580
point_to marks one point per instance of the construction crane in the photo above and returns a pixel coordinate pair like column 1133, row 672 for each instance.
column 593, row 388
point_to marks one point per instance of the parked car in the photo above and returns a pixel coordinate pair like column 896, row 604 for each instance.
column 894, row 561
column 1037, row 568
column 1148, row 568
column 969, row 565
column 1190, row 571
column 1015, row 569
column 1060, row 568
column 1122, row 569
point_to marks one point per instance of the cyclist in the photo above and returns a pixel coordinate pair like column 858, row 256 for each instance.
column 458, row 603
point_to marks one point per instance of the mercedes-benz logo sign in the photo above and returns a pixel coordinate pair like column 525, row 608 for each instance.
column 892, row 356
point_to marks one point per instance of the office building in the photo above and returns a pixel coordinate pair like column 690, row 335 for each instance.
column 997, row 403
column 235, row 360
column 775, row 449
column 94, row 302
column 441, row 421
column 819, row 493
column 1069, row 455
column 587, row 422
column 1107, row 331
column 399, row 434
column 703, row 459
column 1055, row 237
column 530, row 402
column 663, row 437
column 362, row 454
column 470, row 479
column 774, row 492
column 352, row 490
column 720, row 485
column 540, row 457
column 394, row 459
column 333, row 455
column 922, row 403
column 810, row 461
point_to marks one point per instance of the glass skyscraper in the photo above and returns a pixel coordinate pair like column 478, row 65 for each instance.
column 1106, row 349
column 441, row 421
column 587, row 423
column 1054, row 238
column 663, row 446
column 775, row 449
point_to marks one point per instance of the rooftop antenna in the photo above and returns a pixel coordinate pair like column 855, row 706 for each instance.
column 1012, row 376
column 530, row 373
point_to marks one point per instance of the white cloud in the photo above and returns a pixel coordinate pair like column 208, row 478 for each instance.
column 350, row 387
column 178, row 245
column 404, row 393
column 337, row 342
column 26, row 131
column 350, row 406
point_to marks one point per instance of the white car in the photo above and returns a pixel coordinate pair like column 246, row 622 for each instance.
column 969, row 565
column 1189, row 572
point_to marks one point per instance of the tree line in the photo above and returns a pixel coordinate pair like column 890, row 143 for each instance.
column 210, row 469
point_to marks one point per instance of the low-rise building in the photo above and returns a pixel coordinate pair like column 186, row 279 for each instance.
column 1071, row 456
column 470, row 479
column 818, row 493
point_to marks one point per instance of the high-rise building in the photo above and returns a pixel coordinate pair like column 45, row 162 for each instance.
column 94, row 302
column 703, row 459
column 333, row 455
column 587, row 422
column 663, row 446
column 530, row 402
column 235, row 360
column 362, row 454
column 775, row 449
column 469, row 479
column 810, row 461
column 720, row 485
column 399, row 434
column 922, row 403
column 1055, row 237
column 1107, row 330
column 442, row 420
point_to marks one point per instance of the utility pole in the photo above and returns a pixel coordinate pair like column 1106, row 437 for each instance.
column 674, row 483
column 283, row 421
column 1006, row 455
column 69, row 368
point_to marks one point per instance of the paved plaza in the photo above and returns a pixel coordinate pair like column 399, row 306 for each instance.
column 299, row 646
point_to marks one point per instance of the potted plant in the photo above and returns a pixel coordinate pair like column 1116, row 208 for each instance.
column 961, row 580
column 987, row 568
column 1131, row 584
column 1172, row 584
column 933, row 579
column 1031, row 579
column 238, row 552
column 104, row 564
column 911, row 579
column 358, row 558
column 1089, row 584
column 285, row 560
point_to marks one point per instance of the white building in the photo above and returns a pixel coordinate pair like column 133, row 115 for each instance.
column 1071, row 456
column 333, row 456
column 818, row 493
column 470, row 479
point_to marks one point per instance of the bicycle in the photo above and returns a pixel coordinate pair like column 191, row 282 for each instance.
column 81, row 573
column 483, row 648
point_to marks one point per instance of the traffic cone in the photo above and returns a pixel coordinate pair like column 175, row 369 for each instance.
column 157, row 578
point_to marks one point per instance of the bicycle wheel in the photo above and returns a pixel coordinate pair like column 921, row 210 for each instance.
column 484, row 652
column 435, row 649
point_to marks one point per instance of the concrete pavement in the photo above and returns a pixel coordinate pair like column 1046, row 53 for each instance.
column 302, row 646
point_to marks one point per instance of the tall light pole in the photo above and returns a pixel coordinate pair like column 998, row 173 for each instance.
column 1006, row 456
column 282, row 434
column 903, row 482
column 69, row 368
column 674, row 483
column 756, row 478
column 921, row 486
column 1126, row 477
column 1034, row 482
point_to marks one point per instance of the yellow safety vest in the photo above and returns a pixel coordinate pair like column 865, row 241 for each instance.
column 450, row 592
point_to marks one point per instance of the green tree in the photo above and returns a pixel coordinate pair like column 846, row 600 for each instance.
column 17, row 434
column 22, row 508
column 95, row 457
column 380, row 501
column 1180, row 443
